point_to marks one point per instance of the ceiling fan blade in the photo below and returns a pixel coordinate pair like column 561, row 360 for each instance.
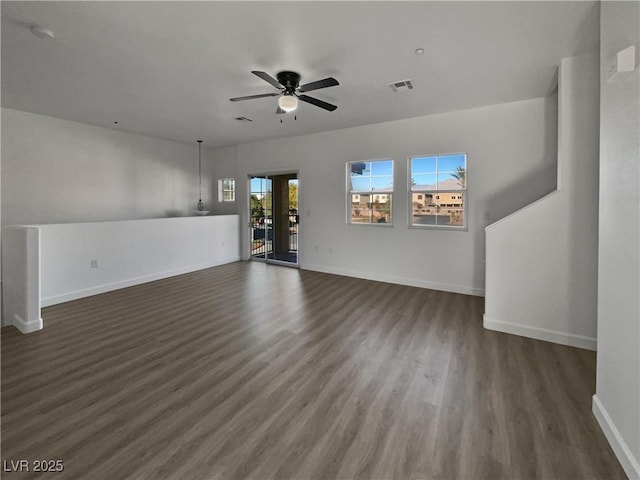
column 317, row 103
column 251, row 97
column 268, row 78
column 324, row 83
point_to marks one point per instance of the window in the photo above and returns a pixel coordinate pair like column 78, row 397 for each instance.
column 226, row 190
column 369, row 192
column 438, row 191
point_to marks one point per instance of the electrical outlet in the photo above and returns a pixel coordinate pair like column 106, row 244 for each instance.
column 94, row 263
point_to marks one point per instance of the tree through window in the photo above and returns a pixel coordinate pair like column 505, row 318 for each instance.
column 438, row 191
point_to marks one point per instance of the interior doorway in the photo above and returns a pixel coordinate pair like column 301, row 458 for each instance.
column 274, row 219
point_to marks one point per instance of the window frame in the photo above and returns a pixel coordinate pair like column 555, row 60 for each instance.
column 350, row 192
column 222, row 190
column 464, row 192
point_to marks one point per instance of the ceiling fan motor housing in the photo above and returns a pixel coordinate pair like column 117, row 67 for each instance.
column 289, row 80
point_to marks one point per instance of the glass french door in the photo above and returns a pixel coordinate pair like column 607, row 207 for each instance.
column 273, row 218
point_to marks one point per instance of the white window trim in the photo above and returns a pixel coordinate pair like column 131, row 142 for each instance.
column 367, row 192
column 221, row 190
column 465, row 191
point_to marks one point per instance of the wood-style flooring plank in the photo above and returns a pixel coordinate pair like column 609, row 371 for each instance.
column 249, row 371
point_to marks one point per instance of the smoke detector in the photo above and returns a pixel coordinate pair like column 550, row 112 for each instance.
column 401, row 86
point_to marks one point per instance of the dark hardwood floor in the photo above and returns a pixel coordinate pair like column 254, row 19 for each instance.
column 255, row 371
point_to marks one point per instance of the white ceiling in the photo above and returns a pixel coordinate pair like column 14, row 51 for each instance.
column 168, row 69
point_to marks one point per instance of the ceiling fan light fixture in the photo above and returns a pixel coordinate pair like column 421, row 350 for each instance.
column 290, row 91
column 288, row 102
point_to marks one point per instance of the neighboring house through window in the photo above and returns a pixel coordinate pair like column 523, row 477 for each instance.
column 370, row 192
column 438, row 196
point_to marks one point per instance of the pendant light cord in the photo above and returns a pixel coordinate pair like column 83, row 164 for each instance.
column 200, row 204
column 200, row 167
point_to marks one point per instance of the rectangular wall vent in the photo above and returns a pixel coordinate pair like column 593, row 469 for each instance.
column 243, row 119
column 401, row 86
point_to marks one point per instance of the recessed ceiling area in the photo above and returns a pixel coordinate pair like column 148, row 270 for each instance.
column 168, row 69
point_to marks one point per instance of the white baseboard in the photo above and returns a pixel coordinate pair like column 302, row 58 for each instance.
column 27, row 326
column 630, row 464
column 411, row 282
column 554, row 336
column 108, row 287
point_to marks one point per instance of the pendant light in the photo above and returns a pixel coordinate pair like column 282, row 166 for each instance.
column 200, row 204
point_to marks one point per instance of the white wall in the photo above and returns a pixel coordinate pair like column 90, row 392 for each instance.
column 49, row 264
column 542, row 260
column 21, row 265
column 130, row 252
column 2, row 321
column 57, row 171
column 222, row 163
column 511, row 161
column 617, row 400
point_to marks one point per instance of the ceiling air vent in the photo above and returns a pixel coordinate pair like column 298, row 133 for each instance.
column 401, row 86
column 243, row 119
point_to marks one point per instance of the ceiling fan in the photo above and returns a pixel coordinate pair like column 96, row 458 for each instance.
column 291, row 91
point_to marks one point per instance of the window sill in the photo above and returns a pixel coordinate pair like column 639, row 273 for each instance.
column 387, row 225
column 434, row 227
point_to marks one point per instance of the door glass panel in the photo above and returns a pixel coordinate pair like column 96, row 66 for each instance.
column 274, row 218
column 268, row 220
column 260, row 209
column 293, row 220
